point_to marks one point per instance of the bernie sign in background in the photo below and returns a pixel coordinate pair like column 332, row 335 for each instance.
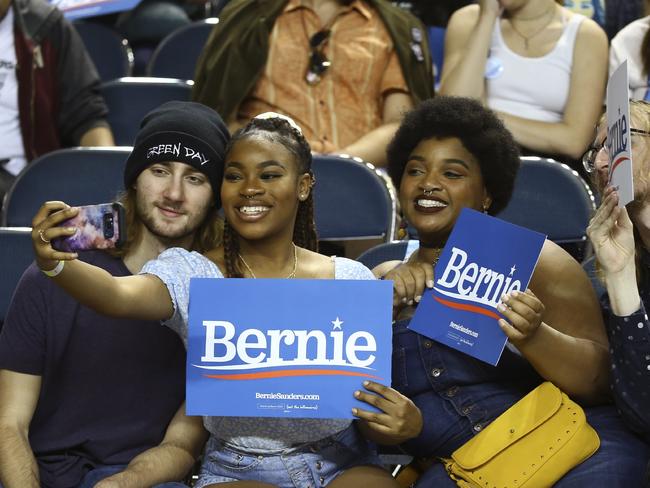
column 79, row 9
column 484, row 258
column 286, row 348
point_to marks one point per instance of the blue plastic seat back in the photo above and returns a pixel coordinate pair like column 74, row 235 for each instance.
column 589, row 266
column 78, row 176
column 551, row 198
column 352, row 201
column 110, row 53
column 177, row 54
column 437, row 47
column 389, row 251
column 130, row 99
column 15, row 256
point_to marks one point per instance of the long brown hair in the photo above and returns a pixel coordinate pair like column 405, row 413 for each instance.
column 207, row 236
column 304, row 231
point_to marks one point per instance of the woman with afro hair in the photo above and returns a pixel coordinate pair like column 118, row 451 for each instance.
column 448, row 154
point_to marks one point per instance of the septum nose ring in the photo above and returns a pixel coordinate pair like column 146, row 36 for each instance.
column 428, row 193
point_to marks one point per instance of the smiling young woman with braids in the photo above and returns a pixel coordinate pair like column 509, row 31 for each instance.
column 266, row 196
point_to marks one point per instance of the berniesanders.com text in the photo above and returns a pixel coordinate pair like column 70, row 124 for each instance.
column 285, row 396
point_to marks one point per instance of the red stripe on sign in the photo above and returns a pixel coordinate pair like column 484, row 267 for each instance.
column 292, row 372
column 467, row 308
column 617, row 162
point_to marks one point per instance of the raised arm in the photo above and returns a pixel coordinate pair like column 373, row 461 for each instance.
column 18, row 398
column 572, row 134
column 139, row 297
column 562, row 336
column 171, row 460
column 612, row 235
column 467, row 42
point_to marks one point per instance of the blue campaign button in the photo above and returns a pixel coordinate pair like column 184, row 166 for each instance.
column 493, row 68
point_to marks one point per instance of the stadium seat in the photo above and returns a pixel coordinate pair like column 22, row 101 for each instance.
column 353, row 200
column 15, row 255
column 111, row 54
column 437, row 47
column 77, row 176
column 177, row 54
column 553, row 199
column 589, row 265
column 388, row 251
column 130, row 99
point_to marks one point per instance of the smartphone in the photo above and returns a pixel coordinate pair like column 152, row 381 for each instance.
column 99, row 226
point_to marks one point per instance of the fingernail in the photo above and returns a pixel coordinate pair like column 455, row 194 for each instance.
column 366, row 383
column 72, row 229
column 501, row 307
column 404, row 300
column 514, row 293
column 357, row 393
column 410, row 302
column 505, row 298
column 418, row 298
column 354, row 411
column 430, row 284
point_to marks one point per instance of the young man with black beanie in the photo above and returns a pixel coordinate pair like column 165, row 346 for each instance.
column 91, row 401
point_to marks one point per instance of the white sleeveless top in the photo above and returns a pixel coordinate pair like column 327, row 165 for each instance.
column 532, row 88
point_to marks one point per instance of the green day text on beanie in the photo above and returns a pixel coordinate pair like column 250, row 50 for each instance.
column 185, row 132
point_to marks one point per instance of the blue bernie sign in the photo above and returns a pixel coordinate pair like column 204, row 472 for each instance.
column 79, row 9
column 484, row 258
column 286, row 348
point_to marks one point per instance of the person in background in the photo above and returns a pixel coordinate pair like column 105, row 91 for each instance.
column 541, row 67
column 92, row 401
column 344, row 70
column 49, row 87
column 633, row 43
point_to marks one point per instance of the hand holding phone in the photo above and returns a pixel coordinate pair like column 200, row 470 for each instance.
column 99, row 226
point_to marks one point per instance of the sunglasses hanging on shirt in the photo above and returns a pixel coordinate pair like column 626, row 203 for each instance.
column 318, row 62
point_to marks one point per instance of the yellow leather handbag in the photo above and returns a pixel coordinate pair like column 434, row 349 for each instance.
column 532, row 444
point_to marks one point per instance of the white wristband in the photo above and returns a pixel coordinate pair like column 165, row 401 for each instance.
column 54, row 272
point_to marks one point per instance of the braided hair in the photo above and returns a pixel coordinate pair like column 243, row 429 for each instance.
column 278, row 130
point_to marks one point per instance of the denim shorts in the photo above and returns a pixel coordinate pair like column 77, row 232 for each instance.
column 307, row 466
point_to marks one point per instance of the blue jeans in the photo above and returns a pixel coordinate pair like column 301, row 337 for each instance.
column 98, row 474
column 314, row 464
column 459, row 396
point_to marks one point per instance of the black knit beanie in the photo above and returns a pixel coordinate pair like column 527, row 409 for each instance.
column 186, row 132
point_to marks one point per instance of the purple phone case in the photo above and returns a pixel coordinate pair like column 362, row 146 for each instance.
column 90, row 233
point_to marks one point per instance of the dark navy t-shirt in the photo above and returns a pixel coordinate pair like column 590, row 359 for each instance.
column 110, row 387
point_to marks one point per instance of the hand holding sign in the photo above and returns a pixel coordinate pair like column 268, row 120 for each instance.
column 611, row 234
column 523, row 312
column 398, row 421
column 409, row 282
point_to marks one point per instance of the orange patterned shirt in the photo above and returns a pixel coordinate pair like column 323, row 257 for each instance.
column 348, row 101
